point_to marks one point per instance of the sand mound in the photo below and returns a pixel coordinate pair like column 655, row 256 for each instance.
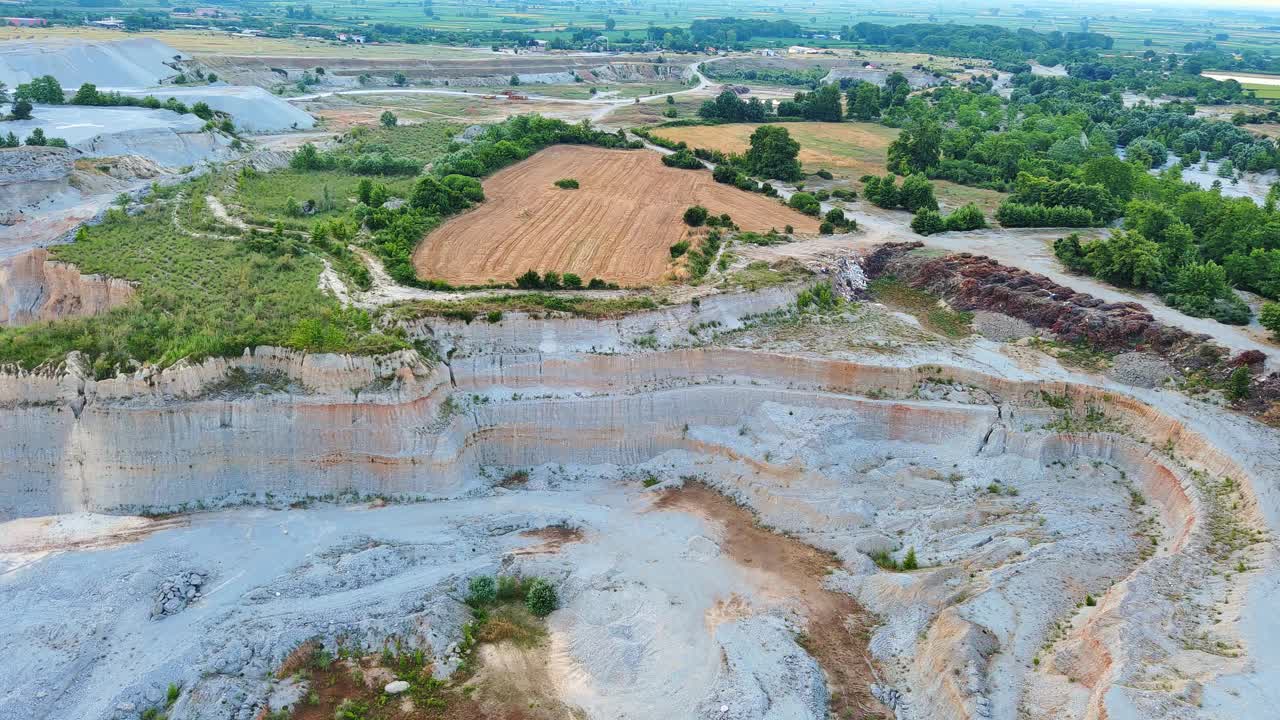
column 118, row 63
column 251, row 108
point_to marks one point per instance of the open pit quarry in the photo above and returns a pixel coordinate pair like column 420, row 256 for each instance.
column 1082, row 548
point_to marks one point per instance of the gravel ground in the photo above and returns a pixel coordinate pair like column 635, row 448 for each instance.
column 1142, row 370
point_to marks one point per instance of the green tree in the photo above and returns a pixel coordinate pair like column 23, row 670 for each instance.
column 916, row 194
column 44, row 89
column 86, row 95
column 917, row 148
column 1270, row 318
column 823, row 105
column 1126, row 258
column 388, row 119
column 22, row 110
column 1117, row 176
column 1238, row 384
column 774, row 154
column 695, row 216
column 202, row 110
column 864, row 101
column 928, row 222
column 37, row 138
column 896, row 90
column 399, row 79
column 515, row 80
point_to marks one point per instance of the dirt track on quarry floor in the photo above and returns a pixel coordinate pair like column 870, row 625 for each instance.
column 838, row 629
column 618, row 226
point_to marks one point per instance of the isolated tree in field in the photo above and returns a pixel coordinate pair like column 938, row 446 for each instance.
column 515, row 80
column 695, row 216
column 774, row 154
column 388, row 119
column 864, row 101
column 399, row 79
column 22, row 110
column 917, row 149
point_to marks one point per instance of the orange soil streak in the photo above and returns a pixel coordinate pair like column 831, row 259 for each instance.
column 618, row 226
column 839, row 628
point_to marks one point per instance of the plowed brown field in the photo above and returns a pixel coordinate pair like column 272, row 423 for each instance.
column 618, row 226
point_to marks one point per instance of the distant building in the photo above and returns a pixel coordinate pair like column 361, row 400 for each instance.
column 802, row 50
column 208, row 12
column 348, row 37
column 26, row 22
column 110, row 22
column 766, row 52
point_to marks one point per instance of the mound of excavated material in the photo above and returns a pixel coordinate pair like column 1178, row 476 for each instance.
column 164, row 136
column 118, row 63
column 251, row 108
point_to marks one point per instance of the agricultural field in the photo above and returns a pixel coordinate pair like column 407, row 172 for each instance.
column 617, row 226
column 848, row 150
column 204, row 42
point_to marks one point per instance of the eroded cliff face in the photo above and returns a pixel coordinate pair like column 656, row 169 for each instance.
column 994, row 627
column 34, row 288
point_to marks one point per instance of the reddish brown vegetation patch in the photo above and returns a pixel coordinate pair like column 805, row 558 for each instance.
column 976, row 282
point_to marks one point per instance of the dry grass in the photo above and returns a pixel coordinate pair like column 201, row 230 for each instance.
column 847, row 149
column 200, row 42
column 618, row 226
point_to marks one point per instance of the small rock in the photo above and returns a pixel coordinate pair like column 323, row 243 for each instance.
column 396, row 687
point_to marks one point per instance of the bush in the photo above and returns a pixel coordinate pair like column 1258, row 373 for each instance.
column 683, row 159
column 1238, row 384
column 928, row 222
column 482, row 591
column 567, row 184
column 1013, row 214
column 969, row 217
column 571, row 281
column 1270, row 318
column 826, row 228
column 679, row 248
column 540, row 597
column 805, row 203
column 909, row 562
column 695, row 216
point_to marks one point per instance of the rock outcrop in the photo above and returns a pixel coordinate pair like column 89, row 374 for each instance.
column 34, row 288
column 30, row 176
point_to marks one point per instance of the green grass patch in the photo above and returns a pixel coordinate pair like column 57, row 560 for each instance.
column 535, row 303
column 760, row 274
column 197, row 296
column 924, row 306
